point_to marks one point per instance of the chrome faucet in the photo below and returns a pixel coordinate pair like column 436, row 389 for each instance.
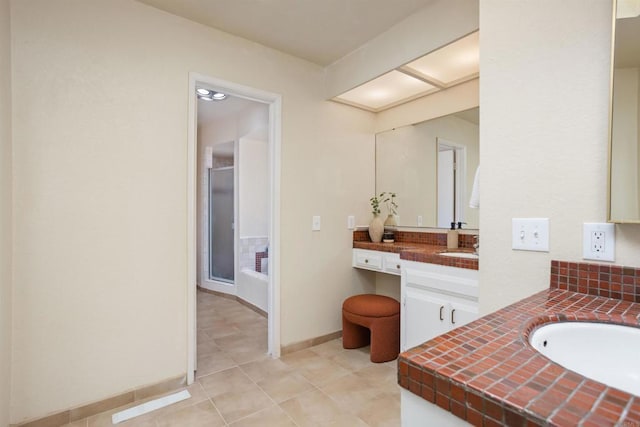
column 476, row 245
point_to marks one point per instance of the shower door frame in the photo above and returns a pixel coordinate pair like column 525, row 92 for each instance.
column 274, row 101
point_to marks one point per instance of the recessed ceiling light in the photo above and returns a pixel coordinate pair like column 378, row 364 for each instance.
column 202, row 91
column 205, row 98
column 219, row 96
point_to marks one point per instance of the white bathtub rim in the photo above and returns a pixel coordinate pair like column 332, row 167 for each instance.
column 609, row 357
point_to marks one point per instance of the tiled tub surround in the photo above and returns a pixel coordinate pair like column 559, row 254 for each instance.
column 487, row 373
column 421, row 247
column 250, row 247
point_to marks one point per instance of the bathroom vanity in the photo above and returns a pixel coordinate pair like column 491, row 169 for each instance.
column 439, row 292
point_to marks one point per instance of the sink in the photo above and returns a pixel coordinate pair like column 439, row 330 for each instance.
column 467, row 255
column 604, row 352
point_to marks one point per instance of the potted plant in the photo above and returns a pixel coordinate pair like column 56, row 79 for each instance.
column 376, row 227
column 392, row 209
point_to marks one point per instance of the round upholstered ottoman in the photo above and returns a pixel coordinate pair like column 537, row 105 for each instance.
column 372, row 319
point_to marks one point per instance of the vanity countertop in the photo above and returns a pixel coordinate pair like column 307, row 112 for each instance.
column 486, row 371
column 421, row 252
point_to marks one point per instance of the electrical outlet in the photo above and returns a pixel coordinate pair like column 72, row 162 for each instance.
column 419, row 221
column 598, row 241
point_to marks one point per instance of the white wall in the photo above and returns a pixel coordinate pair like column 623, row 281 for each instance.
column 253, row 187
column 544, row 96
column 5, row 212
column 100, row 131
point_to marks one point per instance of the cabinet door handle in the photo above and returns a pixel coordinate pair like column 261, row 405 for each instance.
column 441, row 308
column 453, row 310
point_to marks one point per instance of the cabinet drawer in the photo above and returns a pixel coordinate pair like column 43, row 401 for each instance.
column 367, row 259
column 392, row 264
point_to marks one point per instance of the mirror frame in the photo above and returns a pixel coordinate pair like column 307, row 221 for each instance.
column 610, row 129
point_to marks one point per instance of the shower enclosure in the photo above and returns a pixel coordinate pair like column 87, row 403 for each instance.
column 221, row 222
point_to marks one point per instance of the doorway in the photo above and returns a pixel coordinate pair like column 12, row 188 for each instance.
column 451, row 167
column 273, row 132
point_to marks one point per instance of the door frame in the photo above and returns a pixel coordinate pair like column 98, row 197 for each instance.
column 460, row 172
column 275, row 135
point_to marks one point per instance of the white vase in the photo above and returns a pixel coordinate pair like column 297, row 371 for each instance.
column 376, row 229
column 391, row 221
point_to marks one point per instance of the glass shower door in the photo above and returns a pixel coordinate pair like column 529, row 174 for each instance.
column 221, row 227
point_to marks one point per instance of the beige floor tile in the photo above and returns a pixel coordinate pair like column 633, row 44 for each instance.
column 238, row 404
column 272, row 417
column 249, row 353
column 351, row 393
column 329, row 348
column 383, row 411
column 230, row 380
column 379, row 372
column 284, row 387
column 222, row 330
column 352, row 360
column 322, row 371
column 211, row 363
column 314, row 409
column 80, row 423
column 207, row 347
column 198, row 415
column 260, row 369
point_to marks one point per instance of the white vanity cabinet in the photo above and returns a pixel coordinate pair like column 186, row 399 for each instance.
column 385, row 262
column 435, row 299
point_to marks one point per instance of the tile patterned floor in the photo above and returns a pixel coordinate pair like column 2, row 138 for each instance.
column 238, row 385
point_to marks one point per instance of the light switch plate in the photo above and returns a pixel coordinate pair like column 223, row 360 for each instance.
column 315, row 223
column 530, row 234
column 598, row 241
column 351, row 222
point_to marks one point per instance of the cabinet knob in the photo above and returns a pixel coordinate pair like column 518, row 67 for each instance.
column 398, row 266
column 366, row 261
column 453, row 310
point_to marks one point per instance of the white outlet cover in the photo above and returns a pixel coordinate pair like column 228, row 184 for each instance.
column 315, row 223
column 530, row 234
column 607, row 244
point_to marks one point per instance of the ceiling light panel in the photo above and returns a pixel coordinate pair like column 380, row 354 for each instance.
column 455, row 62
column 385, row 91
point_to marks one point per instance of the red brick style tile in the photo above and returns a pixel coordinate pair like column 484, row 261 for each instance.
column 487, row 373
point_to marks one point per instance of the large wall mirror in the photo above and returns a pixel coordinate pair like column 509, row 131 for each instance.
column 431, row 166
column 624, row 153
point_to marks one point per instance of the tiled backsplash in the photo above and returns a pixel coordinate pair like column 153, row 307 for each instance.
column 611, row 281
column 428, row 238
column 249, row 247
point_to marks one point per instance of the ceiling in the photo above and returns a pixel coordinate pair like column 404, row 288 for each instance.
column 448, row 66
column 321, row 31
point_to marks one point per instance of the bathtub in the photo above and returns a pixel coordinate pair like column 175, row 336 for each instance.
column 253, row 287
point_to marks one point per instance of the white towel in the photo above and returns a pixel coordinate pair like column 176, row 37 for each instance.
column 474, row 202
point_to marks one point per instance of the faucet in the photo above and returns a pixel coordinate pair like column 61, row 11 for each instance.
column 476, row 245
